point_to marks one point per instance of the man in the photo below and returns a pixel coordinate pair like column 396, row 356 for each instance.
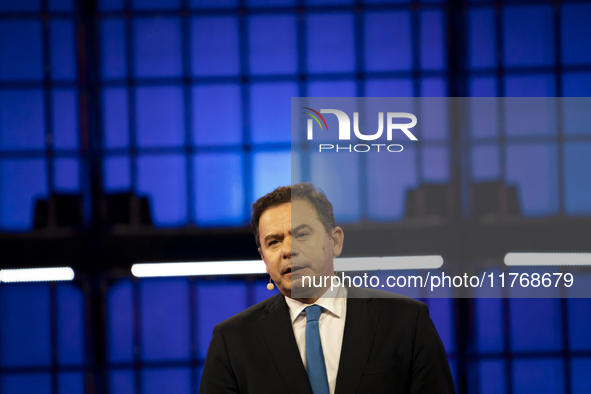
column 307, row 341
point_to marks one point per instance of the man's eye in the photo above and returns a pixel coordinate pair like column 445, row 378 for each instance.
column 301, row 235
column 273, row 243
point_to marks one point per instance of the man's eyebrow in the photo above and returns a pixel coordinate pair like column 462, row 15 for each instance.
column 300, row 227
column 273, row 236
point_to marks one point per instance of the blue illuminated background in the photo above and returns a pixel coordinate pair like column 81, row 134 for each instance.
column 193, row 103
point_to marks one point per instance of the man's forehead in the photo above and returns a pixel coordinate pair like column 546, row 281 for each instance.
column 290, row 215
column 275, row 218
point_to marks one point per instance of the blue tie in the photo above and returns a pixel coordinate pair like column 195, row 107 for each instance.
column 314, row 355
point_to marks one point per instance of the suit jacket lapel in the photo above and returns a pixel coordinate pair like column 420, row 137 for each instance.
column 278, row 333
column 360, row 325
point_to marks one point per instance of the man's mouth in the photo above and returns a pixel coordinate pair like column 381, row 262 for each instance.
column 292, row 268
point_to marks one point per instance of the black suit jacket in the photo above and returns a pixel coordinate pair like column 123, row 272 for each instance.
column 390, row 345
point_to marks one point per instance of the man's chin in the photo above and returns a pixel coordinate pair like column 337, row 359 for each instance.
column 304, row 284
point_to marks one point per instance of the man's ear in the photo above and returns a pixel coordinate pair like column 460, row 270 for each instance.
column 338, row 236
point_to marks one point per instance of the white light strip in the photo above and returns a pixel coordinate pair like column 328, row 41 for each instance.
column 245, row 267
column 538, row 259
column 36, row 274
column 388, row 263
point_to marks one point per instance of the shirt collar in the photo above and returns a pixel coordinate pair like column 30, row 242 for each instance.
column 330, row 300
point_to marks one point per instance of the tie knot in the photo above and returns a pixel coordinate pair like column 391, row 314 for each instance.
column 313, row 313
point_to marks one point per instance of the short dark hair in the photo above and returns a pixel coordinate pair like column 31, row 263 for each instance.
column 285, row 194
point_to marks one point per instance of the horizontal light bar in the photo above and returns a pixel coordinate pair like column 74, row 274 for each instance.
column 388, row 263
column 538, row 259
column 199, row 269
column 36, row 274
column 246, row 267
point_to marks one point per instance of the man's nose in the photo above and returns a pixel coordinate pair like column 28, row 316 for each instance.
column 287, row 252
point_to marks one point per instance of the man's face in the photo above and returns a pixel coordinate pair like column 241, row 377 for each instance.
column 294, row 243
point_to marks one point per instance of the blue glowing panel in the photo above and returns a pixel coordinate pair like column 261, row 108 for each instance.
column 442, row 313
column 20, row 6
column 533, row 169
column 216, row 301
column 198, row 372
column 489, row 324
column 530, row 86
column 115, row 118
column 575, row 33
column 22, row 119
column 337, row 174
column 528, row 34
column 575, row 110
column 21, row 50
column 214, row 46
column 156, row 4
column 65, row 119
column 270, row 106
column 387, row 41
column 435, row 125
column 165, row 319
column 580, row 377
column 433, row 87
column 538, row 376
column 481, row 38
column 122, row 382
column 482, row 87
column 577, row 183
column 24, row 325
column 484, row 117
column 385, row 1
column 113, row 58
column 38, row 383
column 386, row 189
column 70, row 325
column 116, row 174
column 213, row 3
column 485, row 163
column 217, row 115
column 163, row 179
column 71, row 383
column 535, row 324
column 21, row 183
column 272, row 44
column 267, row 3
column 576, row 85
column 330, row 43
column 332, row 89
column 219, row 191
column 389, row 88
column 61, row 5
column 579, row 323
column 66, row 175
column 261, row 292
column 491, row 377
column 432, row 41
column 171, row 380
column 269, row 171
column 62, row 35
column 157, row 47
column 328, row 2
column 160, row 116
column 435, row 162
column 119, row 329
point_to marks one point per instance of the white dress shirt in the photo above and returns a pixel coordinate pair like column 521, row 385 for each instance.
column 331, row 326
